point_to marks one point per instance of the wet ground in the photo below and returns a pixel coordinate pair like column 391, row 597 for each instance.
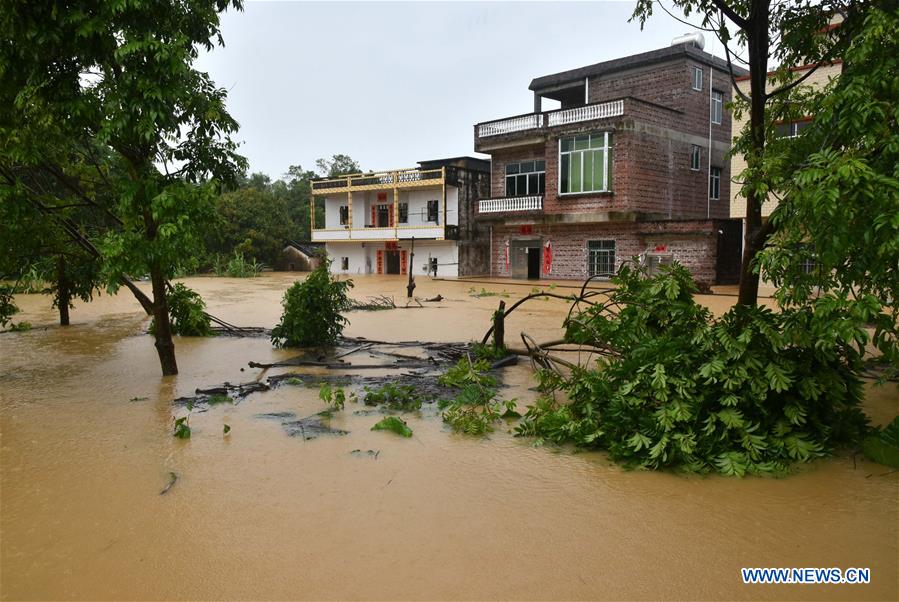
column 86, row 447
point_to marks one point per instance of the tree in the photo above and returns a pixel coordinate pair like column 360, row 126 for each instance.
column 115, row 83
column 837, row 224
column 36, row 248
column 254, row 222
column 789, row 33
column 338, row 165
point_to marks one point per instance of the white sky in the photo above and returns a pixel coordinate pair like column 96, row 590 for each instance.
column 393, row 83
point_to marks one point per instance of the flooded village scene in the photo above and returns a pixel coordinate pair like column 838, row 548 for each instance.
column 633, row 336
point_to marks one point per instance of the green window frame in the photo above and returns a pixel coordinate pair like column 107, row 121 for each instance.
column 585, row 163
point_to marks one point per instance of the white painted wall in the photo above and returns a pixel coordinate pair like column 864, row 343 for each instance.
column 418, row 206
column 357, row 254
column 363, row 257
column 332, row 209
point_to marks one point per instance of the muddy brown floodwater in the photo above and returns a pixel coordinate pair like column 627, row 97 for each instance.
column 260, row 515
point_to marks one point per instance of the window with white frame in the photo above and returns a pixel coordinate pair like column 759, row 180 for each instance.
column 717, row 106
column 525, row 178
column 601, row 257
column 695, row 157
column 344, row 215
column 697, row 78
column 584, row 163
column 715, row 183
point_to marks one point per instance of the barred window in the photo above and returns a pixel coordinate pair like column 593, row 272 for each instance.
column 601, row 257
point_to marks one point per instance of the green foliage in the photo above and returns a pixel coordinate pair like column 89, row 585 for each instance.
column 226, row 429
column 237, row 266
column 182, row 428
column 485, row 293
column 20, row 327
column 312, row 310
column 219, row 398
column 395, row 397
column 338, row 165
column 335, row 398
column 474, row 410
column 254, row 223
column 882, row 446
column 187, row 313
column 750, row 393
column 8, row 306
column 489, row 353
column 839, row 185
column 393, row 424
column 104, row 98
column 466, row 372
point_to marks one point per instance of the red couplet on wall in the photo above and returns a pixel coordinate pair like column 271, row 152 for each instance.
column 403, row 271
column 380, row 262
column 527, row 229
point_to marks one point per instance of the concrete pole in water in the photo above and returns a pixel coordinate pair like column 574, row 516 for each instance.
column 411, row 286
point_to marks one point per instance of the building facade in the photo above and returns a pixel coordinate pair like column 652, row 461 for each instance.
column 371, row 223
column 633, row 164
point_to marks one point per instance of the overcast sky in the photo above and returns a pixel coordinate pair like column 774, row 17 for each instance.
column 391, row 84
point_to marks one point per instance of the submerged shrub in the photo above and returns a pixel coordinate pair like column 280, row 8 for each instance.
column 312, row 310
column 7, row 306
column 475, row 408
column 187, row 311
column 393, row 424
column 751, row 392
column 395, row 397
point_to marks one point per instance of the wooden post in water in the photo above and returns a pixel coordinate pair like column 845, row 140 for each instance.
column 411, row 286
column 499, row 326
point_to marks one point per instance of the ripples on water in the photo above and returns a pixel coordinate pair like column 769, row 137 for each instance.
column 256, row 514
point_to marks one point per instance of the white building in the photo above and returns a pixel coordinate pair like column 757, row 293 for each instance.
column 369, row 221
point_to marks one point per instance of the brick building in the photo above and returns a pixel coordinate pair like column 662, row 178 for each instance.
column 633, row 163
column 369, row 221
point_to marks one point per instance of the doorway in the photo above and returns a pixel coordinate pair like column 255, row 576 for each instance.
column 393, row 262
column 383, row 217
column 533, row 263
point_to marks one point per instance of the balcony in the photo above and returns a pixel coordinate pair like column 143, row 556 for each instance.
column 402, row 178
column 538, row 122
column 511, row 204
column 371, row 234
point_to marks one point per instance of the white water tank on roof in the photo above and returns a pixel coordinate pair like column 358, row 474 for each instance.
column 696, row 38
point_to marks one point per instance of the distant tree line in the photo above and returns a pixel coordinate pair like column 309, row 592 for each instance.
column 258, row 216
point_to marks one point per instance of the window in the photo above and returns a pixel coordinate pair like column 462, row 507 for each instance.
column 344, row 263
column 717, row 106
column 697, row 78
column 432, row 211
column 525, row 178
column 601, row 257
column 404, row 213
column 695, row 157
column 584, row 163
column 715, row 183
column 790, row 129
column 344, row 215
column 807, row 261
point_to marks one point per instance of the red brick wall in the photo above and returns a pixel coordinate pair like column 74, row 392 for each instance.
column 691, row 243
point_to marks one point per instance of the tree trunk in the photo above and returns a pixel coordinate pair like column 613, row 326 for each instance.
column 165, row 347
column 63, row 291
column 499, row 326
column 755, row 235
